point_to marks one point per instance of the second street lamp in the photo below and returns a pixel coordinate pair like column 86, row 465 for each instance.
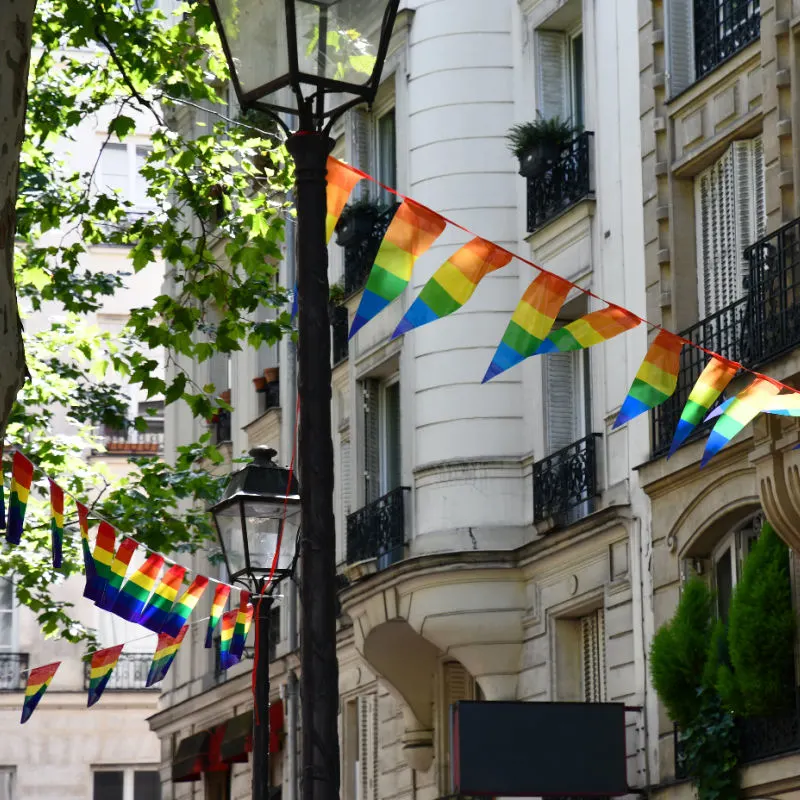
column 256, row 520
column 314, row 60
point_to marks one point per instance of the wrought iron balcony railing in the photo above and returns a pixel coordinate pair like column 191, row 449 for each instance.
column 339, row 330
column 359, row 256
column 759, row 327
column 563, row 184
column 378, row 530
column 13, row 671
column 565, row 483
column 130, row 674
column 722, row 28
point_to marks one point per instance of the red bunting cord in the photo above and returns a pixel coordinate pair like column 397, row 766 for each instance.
column 583, row 290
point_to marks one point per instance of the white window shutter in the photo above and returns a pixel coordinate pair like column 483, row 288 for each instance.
column 561, row 401
column 552, row 85
column 457, row 685
column 372, row 442
column 368, row 747
column 679, row 45
column 745, row 199
column 593, row 656
column 345, row 477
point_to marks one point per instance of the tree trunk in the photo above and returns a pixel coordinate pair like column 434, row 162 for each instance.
column 16, row 33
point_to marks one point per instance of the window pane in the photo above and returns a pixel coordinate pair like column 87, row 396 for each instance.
column 393, row 454
column 140, row 184
column 6, row 595
column 387, row 154
column 146, row 785
column 107, row 786
column 724, row 577
column 115, row 168
column 577, row 80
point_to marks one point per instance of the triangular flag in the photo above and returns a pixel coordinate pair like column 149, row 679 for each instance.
column 88, row 561
column 411, row 233
column 784, row 405
column 166, row 650
column 158, row 610
column 710, row 385
column 21, row 480
column 218, row 604
column 589, row 330
column 184, row 607
column 746, row 405
column 38, row 680
column 341, row 182
column 103, row 663
column 133, row 596
column 453, row 283
column 2, row 493
column 116, row 572
column 244, row 616
column 226, row 660
column 531, row 322
column 656, row 379
column 56, row 523
column 103, row 555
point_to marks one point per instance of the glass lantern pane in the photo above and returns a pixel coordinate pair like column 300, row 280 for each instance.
column 338, row 39
column 229, row 522
column 256, row 34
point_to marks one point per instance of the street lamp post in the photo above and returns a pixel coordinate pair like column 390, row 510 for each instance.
column 314, row 60
column 257, row 520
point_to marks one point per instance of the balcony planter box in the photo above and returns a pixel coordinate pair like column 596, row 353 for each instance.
column 539, row 158
column 356, row 223
column 260, row 384
column 117, row 447
column 538, row 145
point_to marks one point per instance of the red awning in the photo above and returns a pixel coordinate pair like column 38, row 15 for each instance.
column 237, row 740
column 214, row 761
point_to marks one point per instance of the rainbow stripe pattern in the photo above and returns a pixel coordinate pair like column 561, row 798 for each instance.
column 341, row 182
column 88, row 561
column 656, row 379
column 103, row 663
column 226, row 660
column 39, row 679
column 710, row 385
column 745, row 406
column 184, row 607
column 2, row 493
column 21, row 480
column 56, row 523
column 531, row 323
column 156, row 613
column 411, row 233
column 132, row 597
column 221, row 594
column 244, row 616
column 166, row 650
column 589, row 330
column 117, row 570
column 453, row 283
column 102, row 556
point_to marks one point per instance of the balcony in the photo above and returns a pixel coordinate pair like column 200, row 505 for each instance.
column 562, row 185
column 378, row 530
column 131, row 442
column 13, row 671
column 755, row 329
column 565, row 483
column 340, row 325
column 359, row 255
column 721, row 29
column 130, row 674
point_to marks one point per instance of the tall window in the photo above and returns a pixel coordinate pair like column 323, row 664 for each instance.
column 455, row 684
column 120, row 171
column 7, row 775
column 728, row 559
column 559, row 75
column 382, row 447
column 360, row 781
column 593, row 656
column 565, row 399
column 730, row 209
column 6, row 616
column 126, row 784
column 374, row 147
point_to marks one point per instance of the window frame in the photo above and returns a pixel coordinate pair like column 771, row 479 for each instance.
column 384, row 457
column 132, row 146
column 11, row 614
column 128, row 777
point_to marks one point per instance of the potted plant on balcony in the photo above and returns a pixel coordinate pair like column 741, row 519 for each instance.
column 260, row 383
column 357, row 221
column 336, row 295
column 271, row 374
column 538, row 144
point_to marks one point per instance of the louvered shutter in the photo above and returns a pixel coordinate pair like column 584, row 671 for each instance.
column 372, row 442
column 593, row 656
column 745, row 200
column 362, row 148
column 561, row 401
column 759, row 188
column 368, row 747
column 552, row 72
column 345, row 477
column 458, row 685
column 679, row 45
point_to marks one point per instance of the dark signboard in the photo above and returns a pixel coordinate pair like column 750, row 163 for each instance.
column 533, row 749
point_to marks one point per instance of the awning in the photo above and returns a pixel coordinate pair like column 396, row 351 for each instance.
column 190, row 758
column 237, row 741
column 214, row 761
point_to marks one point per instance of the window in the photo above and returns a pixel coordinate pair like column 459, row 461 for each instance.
column 374, row 150
column 120, row 171
column 728, row 558
column 564, row 403
column 6, row 616
column 593, row 657
column 730, row 210
column 559, row 75
column 382, row 448
column 455, row 684
column 365, row 768
column 7, row 775
column 126, row 784
column 218, row 785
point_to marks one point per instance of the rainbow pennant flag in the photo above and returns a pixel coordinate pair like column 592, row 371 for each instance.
column 221, row 594
column 589, row 330
column 56, row 523
column 181, row 610
column 531, row 323
column 2, row 493
column 341, row 182
column 226, row 659
column 745, row 406
column 156, row 613
column 103, row 663
column 166, row 650
column 244, row 616
column 103, row 556
column 38, row 680
column 453, row 283
column 88, row 561
column 411, row 233
column 785, row 405
column 21, row 480
column 656, row 379
column 710, row 385
column 116, row 572
column 132, row 597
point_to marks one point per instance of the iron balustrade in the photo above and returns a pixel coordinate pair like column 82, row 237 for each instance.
column 13, row 671
column 378, row 530
column 722, row 28
column 560, row 186
column 130, row 674
column 340, row 326
column 359, row 256
column 753, row 330
column 566, row 482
